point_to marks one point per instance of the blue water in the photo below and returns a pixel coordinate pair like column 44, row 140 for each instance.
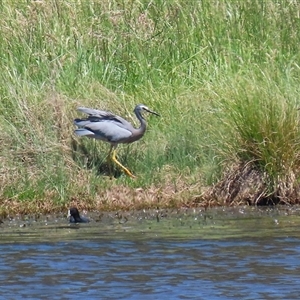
column 120, row 262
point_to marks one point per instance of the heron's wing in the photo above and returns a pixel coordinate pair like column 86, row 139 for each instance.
column 107, row 130
column 95, row 114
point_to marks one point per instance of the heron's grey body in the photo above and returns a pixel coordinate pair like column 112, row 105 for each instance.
column 105, row 126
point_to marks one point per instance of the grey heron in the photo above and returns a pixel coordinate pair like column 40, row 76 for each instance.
column 106, row 126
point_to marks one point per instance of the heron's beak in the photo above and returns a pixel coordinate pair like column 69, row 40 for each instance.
column 152, row 112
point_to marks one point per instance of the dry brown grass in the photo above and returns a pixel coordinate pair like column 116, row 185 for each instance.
column 117, row 197
column 244, row 184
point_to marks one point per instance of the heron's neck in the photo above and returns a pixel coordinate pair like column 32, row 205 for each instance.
column 139, row 132
column 143, row 123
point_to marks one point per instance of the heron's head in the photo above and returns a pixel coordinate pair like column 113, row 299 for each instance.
column 141, row 107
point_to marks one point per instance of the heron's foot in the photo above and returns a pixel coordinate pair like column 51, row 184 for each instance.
column 126, row 171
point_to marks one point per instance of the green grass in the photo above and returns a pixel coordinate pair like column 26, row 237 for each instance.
column 224, row 75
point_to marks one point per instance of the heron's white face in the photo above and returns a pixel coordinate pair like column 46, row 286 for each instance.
column 141, row 107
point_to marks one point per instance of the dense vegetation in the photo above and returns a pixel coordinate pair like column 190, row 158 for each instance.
column 224, row 75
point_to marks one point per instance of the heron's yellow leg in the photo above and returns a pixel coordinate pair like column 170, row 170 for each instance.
column 114, row 159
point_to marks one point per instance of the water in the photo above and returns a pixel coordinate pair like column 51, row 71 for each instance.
column 215, row 254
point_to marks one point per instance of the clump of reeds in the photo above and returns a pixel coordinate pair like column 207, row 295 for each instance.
column 261, row 137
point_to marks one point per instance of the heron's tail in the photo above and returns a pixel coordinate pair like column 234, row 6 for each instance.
column 81, row 122
column 83, row 132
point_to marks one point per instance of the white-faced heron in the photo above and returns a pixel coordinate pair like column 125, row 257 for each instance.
column 105, row 126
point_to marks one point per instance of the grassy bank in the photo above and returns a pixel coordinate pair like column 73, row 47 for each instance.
column 224, row 75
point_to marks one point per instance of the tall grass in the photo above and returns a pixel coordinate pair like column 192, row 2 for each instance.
column 223, row 75
column 261, row 129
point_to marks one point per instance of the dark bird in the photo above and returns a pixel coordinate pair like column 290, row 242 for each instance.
column 105, row 126
column 74, row 217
